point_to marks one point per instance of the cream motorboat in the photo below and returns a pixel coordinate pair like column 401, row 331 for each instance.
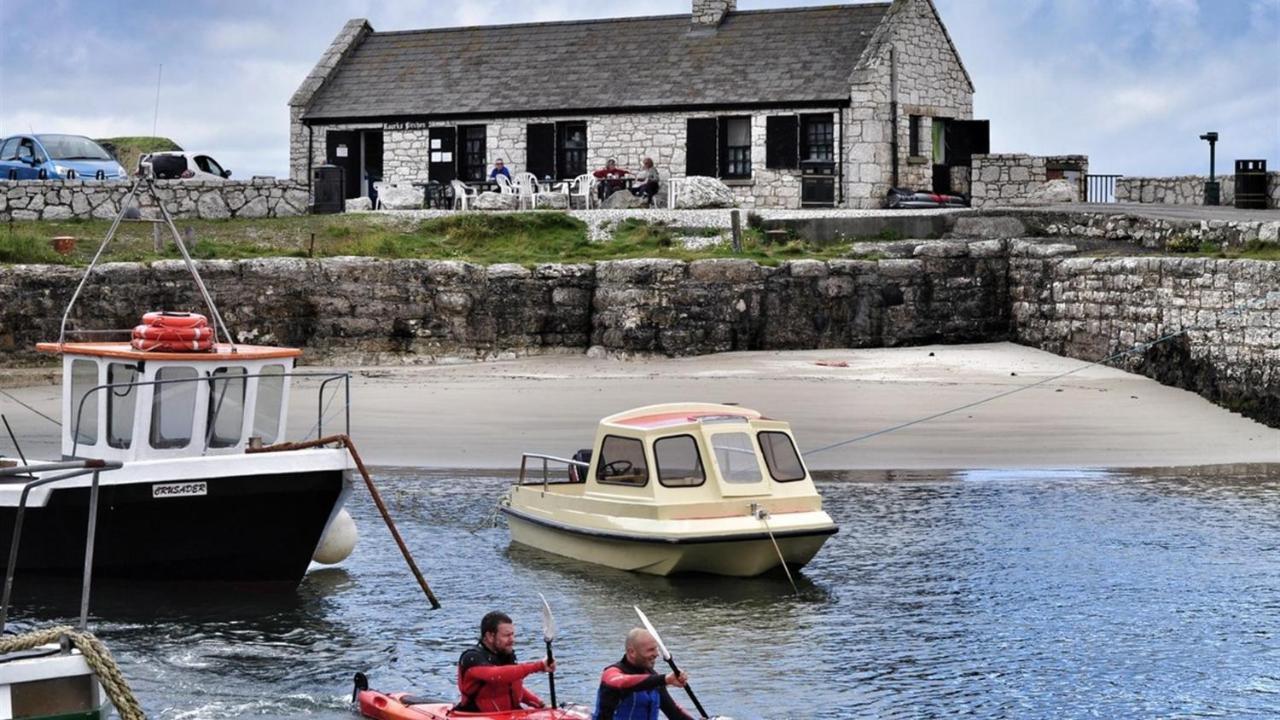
column 681, row 487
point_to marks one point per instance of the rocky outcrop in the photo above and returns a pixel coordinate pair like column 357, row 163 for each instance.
column 399, row 197
column 703, row 192
column 495, row 201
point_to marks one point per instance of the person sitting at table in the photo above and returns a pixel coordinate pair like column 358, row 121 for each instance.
column 609, row 179
column 498, row 169
column 646, row 183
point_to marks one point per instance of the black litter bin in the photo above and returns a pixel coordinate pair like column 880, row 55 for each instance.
column 327, row 183
column 1251, row 184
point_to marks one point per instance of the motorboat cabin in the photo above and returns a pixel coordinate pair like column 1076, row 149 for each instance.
column 125, row 404
column 682, row 487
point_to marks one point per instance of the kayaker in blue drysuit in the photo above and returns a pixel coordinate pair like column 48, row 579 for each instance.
column 631, row 690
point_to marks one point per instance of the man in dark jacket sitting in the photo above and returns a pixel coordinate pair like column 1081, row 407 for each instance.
column 489, row 677
column 631, row 689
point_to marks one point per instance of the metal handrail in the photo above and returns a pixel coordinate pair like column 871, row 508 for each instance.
column 524, row 459
column 75, row 432
column 75, row 470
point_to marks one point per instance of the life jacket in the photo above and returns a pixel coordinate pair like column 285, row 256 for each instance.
column 501, row 688
column 628, row 692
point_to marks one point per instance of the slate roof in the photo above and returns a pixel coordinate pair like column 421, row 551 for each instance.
column 764, row 56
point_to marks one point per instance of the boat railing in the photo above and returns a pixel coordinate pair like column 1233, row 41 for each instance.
column 524, row 462
column 64, row 471
column 317, row 429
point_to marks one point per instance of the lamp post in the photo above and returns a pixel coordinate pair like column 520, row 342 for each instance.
column 1211, row 188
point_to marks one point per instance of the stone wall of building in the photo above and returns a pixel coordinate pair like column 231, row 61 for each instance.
column 1225, row 313
column 212, row 200
column 932, row 83
column 348, row 39
column 1186, row 190
column 628, row 138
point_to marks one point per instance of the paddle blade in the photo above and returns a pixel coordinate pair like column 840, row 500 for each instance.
column 548, row 622
column 662, row 648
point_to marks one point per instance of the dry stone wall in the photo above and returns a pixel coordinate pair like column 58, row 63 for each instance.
column 1186, row 190
column 184, row 199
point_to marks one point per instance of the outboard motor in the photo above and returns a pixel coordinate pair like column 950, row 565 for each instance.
column 579, row 474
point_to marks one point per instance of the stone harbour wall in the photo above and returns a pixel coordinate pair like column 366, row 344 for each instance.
column 1223, row 316
column 1186, row 190
column 185, row 199
column 352, row 311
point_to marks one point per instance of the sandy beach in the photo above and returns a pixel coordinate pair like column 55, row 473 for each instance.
column 483, row 415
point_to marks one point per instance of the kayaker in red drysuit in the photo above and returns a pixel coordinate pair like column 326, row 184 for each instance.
column 489, row 677
column 631, row 690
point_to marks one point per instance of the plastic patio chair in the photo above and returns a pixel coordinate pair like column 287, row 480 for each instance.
column 526, row 187
column 462, row 194
column 674, row 186
column 581, row 186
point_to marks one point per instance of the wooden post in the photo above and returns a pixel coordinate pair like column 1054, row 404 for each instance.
column 735, row 222
column 155, row 237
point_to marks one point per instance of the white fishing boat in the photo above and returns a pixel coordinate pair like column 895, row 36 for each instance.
column 196, row 417
column 682, row 487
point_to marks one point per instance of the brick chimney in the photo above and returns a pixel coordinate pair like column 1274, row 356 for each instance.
column 708, row 14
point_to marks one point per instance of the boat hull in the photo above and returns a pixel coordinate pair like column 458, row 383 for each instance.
column 383, row 706
column 252, row 528
column 743, row 555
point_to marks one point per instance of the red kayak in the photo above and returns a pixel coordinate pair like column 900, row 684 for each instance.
column 404, row 706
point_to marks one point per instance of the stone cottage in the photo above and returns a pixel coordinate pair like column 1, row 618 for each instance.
column 822, row 106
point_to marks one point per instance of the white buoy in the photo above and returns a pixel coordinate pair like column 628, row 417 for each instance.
column 338, row 541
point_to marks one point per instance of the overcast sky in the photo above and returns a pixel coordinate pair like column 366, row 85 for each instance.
column 1131, row 83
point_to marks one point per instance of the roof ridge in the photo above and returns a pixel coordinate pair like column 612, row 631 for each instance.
column 626, row 19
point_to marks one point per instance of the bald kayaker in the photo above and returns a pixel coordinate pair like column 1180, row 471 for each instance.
column 489, row 677
column 631, row 689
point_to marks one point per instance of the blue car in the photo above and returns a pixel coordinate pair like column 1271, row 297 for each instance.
column 56, row 157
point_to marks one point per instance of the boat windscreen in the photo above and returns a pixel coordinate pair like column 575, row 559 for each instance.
column 736, row 457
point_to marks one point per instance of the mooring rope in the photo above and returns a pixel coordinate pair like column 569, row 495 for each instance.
column 1137, row 348
column 763, row 516
column 46, row 417
column 95, row 654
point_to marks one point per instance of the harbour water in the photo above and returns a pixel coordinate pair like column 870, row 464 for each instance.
column 1009, row 594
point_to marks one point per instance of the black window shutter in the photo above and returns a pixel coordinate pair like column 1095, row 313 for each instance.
column 540, row 150
column 700, row 147
column 781, row 141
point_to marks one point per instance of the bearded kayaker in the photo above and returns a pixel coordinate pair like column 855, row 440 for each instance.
column 630, row 688
column 489, row 677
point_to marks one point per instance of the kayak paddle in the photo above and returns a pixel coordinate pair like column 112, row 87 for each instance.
column 666, row 655
column 549, row 634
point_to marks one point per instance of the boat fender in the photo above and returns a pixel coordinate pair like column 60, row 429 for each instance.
column 161, row 332
column 165, row 318
column 338, row 541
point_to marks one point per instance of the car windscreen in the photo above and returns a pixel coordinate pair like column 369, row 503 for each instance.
column 72, row 147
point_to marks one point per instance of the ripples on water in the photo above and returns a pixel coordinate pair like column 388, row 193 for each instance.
column 984, row 594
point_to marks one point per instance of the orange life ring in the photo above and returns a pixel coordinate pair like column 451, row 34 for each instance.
column 172, row 345
column 180, row 334
column 165, row 318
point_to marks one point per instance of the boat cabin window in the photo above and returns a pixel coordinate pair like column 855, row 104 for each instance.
column 121, row 403
column 736, row 457
column 780, row 456
column 226, row 406
column 678, row 461
column 266, row 413
column 84, row 377
column 622, row 462
column 173, row 409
